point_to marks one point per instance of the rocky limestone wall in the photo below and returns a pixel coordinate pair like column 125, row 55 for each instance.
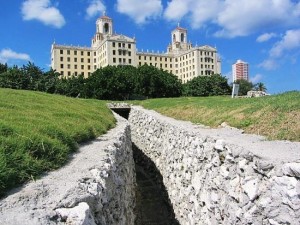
column 221, row 176
column 97, row 186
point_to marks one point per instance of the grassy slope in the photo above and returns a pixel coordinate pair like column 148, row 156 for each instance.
column 277, row 117
column 38, row 131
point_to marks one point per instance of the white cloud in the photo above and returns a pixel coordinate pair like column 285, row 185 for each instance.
column 198, row 12
column 290, row 41
column 42, row 10
column 265, row 37
column 269, row 64
column 95, row 7
column 140, row 11
column 235, row 17
column 256, row 78
column 8, row 54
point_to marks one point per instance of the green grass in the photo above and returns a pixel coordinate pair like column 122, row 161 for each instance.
column 38, row 131
column 276, row 117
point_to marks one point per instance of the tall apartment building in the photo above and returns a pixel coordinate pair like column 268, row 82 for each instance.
column 108, row 48
column 240, row 70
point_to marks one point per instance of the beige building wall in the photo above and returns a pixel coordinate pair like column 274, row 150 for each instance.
column 70, row 60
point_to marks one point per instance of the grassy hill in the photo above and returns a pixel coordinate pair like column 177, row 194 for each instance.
column 38, row 131
column 277, row 117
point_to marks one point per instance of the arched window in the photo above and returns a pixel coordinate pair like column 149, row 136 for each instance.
column 106, row 28
column 174, row 38
column 182, row 37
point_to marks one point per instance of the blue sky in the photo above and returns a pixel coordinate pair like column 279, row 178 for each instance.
column 264, row 33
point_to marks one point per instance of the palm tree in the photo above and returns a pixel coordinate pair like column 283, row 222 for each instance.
column 260, row 87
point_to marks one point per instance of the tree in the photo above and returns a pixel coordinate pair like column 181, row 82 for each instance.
column 207, row 86
column 260, row 87
column 155, row 83
column 3, row 68
column 245, row 86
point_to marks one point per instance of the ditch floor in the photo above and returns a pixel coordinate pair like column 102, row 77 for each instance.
column 153, row 206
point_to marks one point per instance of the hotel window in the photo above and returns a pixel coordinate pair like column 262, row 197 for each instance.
column 94, row 53
column 61, row 66
column 89, row 54
column 95, row 67
column 62, row 72
column 139, row 57
column 129, row 45
column 69, row 73
column 68, row 52
column 89, row 67
column 82, row 67
column 61, row 58
column 75, row 67
column 89, row 60
column 61, row 51
column 129, row 61
column 81, row 52
column 75, row 52
column 114, row 60
column 166, row 59
column 69, row 66
column 82, row 60
column 114, row 44
column 119, row 45
column 129, row 53
column 68, row 59
column 75, row 59
column 114, row 52
column 145, row 57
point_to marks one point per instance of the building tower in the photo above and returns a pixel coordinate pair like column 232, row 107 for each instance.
column 179, row 40
column 240, row 70
column 104, row 28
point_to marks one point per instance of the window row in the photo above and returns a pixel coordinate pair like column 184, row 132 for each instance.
column 121, row 45
column 75, row 52
column 75, row 59
column 155, row 58
column 75, row 66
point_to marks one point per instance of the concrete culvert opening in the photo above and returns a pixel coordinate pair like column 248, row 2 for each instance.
column 124, row 112
column 152, row 201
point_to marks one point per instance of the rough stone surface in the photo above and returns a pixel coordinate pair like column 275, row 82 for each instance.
column 97, row 186
column 221, row 176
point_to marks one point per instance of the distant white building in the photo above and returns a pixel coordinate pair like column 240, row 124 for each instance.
column 240, row 70
column 108, row 48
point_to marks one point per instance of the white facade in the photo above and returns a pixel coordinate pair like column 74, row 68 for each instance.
column 107, row 48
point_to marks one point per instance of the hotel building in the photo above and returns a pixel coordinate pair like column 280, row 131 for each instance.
column 108, row 48
column 240, row 70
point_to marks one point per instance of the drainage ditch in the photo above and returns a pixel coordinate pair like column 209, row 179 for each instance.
column 153, row 206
